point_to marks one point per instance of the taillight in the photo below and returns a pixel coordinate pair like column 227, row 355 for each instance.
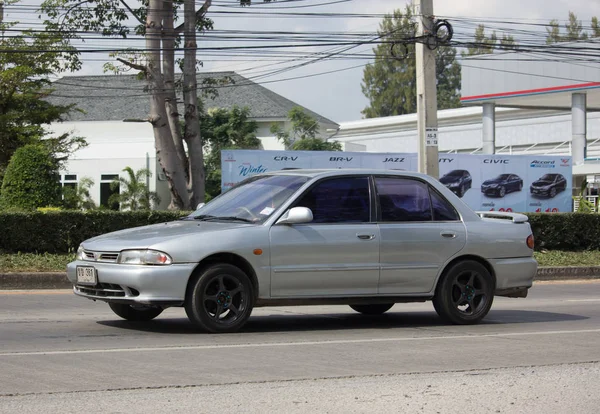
column 530, row 241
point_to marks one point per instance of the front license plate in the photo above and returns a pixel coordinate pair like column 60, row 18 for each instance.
column 86, row 275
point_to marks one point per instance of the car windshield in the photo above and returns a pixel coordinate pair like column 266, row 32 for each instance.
column 253, row 200
column 503, row 177
column 548, row 177
column 455, row 173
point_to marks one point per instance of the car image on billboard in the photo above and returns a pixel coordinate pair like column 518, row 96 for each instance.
column 502, row 185
column 457, row 181
column 548, row 185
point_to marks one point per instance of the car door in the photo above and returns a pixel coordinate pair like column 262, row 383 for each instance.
column 420, row 230
column 337, row 254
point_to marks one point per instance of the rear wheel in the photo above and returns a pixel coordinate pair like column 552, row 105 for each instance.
column 372, row 309
column 220, row 298
column 465, row 293
column 135, row 313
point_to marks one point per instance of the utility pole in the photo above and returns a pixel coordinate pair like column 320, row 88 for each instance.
column 427, row 123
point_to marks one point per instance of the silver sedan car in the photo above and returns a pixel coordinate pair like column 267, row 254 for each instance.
column 364, row 238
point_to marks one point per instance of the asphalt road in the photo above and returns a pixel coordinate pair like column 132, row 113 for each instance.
column 60, row 353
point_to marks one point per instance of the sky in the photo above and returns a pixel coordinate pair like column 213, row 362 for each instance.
column 337, row 95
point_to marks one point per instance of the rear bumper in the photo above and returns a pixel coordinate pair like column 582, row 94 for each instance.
column 514, row 274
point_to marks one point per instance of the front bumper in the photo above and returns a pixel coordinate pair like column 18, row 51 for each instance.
column 490, row 190
column 134, row 284
column 514, row 273
column 539, row 191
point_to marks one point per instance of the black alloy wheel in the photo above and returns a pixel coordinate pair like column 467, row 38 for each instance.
column 520, row 186
column 552, row 192
column 220, row 298
column 502, row 191
column 135, row 313
column 465, row 293
column 372, row 309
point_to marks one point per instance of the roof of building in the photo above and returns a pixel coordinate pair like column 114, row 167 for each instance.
column 118, row 97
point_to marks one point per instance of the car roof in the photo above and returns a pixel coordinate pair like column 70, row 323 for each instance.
column 316, row 173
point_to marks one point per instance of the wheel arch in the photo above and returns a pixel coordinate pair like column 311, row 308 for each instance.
column 463, row 258
column 228, row 258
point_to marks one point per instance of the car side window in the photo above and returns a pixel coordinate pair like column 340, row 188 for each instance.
column 339, row 200
column 403, row 199
column 442, row 209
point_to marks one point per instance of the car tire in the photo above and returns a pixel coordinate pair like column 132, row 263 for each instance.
column 502, row 191
column 372, row 309
column 465, row 293
column 219, row 298
column 135, row 313
column 520, row 186
column 552, row 192
column 461, row 191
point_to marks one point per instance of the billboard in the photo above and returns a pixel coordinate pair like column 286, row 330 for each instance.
column 517, row 183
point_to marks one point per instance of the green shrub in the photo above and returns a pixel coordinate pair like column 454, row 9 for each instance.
column 566, row 231
column 31, row 179
column 63, row 231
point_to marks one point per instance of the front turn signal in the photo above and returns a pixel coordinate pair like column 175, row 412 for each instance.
column 530, row 241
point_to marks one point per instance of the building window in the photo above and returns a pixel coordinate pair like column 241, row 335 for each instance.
column 106, row 191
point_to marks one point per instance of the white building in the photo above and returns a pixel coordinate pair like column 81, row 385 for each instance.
column 104, row 102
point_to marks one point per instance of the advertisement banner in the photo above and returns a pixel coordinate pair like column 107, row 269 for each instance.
column 513, row 183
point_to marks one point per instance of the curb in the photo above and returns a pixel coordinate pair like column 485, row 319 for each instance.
column 58, row 280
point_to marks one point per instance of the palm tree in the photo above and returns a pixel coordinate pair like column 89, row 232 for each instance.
column 134, row 193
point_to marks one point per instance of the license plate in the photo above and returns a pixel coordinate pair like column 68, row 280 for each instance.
column 86, row 275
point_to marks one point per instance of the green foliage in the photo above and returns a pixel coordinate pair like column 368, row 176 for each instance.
column 24, row 83
column 390, row 83
column 566, row 231
column 223, row 129
column 31, row 179
column 133, row 193
column 484, row 44
column 63, row 231
column 584, row 206
column 573, row 30
column 303, row 134
column 79, row 197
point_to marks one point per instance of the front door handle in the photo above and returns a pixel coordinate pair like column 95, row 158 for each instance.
column 366, row 236
column 448, row 234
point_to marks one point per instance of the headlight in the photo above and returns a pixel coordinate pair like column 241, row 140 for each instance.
column 80, row 252
column 144, row 257
column 454, row 184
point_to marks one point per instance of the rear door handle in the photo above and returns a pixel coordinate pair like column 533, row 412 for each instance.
column 366, row 236
column 448, row 234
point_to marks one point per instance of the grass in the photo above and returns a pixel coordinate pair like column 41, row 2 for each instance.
column 46, row 262
column 32, row 262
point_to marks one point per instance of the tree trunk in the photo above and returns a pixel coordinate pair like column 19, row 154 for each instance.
column 169, row 77
column 166, row 153
column 190, row 98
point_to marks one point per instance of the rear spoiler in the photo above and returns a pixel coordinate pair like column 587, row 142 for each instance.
column 514, row 217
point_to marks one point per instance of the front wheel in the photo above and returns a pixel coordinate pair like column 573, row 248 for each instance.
column 465, row 293
column 372, row 309
column 220, row 298
column 135, row 313
column 502, row 192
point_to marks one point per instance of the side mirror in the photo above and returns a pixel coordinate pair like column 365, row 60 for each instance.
column 200, row 206
column 296, row 215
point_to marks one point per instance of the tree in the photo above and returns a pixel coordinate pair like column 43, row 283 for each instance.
column 24, row 83
column 303, row 134
column 79, row 197
column 483, row 44
column 224, row 129
column 31, row 179
column 133, row 193
column 574, row 30
column 390, row 82
column 180, row 155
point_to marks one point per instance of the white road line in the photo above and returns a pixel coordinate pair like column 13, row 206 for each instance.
column 583, row 300
column 301, row 343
